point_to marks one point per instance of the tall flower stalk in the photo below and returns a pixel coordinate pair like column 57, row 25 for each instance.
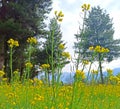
column 85, row 8
column 12, row 43
column 31, row 41
column 59, row 17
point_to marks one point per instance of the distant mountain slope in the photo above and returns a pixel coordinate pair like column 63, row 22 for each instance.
column 68, row 77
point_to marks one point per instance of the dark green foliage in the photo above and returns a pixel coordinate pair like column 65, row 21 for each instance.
column 20, row 19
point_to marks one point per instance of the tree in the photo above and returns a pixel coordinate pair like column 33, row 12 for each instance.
column 54, row 38
column 98, row 32
column 20, row 19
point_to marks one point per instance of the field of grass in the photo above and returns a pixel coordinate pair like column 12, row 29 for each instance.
column 36, row 95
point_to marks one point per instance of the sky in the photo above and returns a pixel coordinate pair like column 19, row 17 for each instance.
column 73, row 17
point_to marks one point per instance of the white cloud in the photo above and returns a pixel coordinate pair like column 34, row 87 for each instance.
column 71, row 1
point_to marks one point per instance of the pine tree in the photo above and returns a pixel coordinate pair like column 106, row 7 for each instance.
column 20, row 19
column 54, row 36
column 98, row 31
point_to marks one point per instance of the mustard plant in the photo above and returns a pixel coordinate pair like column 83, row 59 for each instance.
column 31, row 42
column 12, row 43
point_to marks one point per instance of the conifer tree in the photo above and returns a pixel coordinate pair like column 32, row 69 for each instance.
column 98, row 31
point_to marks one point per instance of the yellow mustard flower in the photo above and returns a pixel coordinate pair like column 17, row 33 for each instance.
column 12, row 43
column 32, row 40
column 16, row 72
column 4, row 79
column 91, row 48
column 59, row 15
column 61, row 46
column 114, row 78
column 85, row 7
column 66, row 54
column 85, row 62
column 29, row 64
column 33, row 103
column 38, row 98
column 110, row 71
column 100, row 49
column 94, row 71
column 80, row 73
column 2, row 73
column 45, row 66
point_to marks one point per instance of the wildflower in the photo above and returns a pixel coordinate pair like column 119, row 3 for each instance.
column 80, row 73
column 59, row 15
column 31, row 81
column 109, row 71
column 16, row 72
column 114, row 78
column 12, row 43
column 94, row 71
column 37, row 81
column 85, row 7
column 29, row 64
column 4, row 79
column 66, row 54
column 91, row 48
column 32, row 40
column 2, row 73
column 13, row 103
column 45, row 66
column 61, row 46
column 33, row 103
column 100, row 49
column 38, row 97
column 85, row 62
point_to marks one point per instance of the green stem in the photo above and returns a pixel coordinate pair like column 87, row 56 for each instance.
column 11, row 69
column 29, row 53
column 52, row 58
column 83, row 26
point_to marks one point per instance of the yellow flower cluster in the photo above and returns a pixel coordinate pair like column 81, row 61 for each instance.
column 99, row 49
column 85, row 7
column 91, row 48
column 59, row 15
column 16, row 72
column 45, row 66
column 94, row 71
column 114, row 79
column 4, row 79
column 61, row 46
column 12, row 43
column 80, row 73
column 2, row 73
column 110, row 71
column 66, row 54
column 38, row 97
column 85, row 62
column 32, row 40
column 29, row 64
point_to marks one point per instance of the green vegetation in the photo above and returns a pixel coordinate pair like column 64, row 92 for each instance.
column 20, row 51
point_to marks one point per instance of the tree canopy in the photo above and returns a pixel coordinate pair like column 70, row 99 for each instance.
column 20, row 19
